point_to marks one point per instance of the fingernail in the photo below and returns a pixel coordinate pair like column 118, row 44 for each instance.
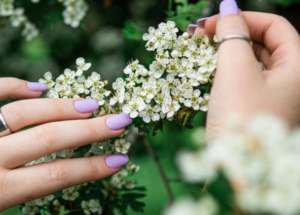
column 201, row 22
column 191, row 29
column 85, row 106
column 116, row 161
column 35, row 86
column 228, row 7
column 118, row 121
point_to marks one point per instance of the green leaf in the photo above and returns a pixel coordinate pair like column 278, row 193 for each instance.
column 131, row 31
column 184, row 2
column 81, row 151
column 129, row 199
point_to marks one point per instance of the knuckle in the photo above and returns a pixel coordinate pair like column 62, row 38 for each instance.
column 11, row 84
column 59, row 107
column 13, row 114
column 95, row 168
column 45, row 137
column 232, row 24
column 92, row 129
column 58, row 174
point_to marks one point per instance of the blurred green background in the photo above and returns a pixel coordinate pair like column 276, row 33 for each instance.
column 100, row 41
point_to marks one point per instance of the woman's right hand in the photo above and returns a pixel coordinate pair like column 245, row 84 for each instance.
column 63, row 124
column 240, row 87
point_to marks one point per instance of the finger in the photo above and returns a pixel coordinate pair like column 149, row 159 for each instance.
column 274, row 31
column 18, row 89
column 38, row 111
column 34, row 143
column 32, row 182
column 235, row 57
column 262, row 53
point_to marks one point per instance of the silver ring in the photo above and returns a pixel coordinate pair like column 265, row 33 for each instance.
column 4, row 130
column 235, row 36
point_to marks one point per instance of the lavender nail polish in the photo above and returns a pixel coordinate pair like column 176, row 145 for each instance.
column 118, row 121
column 85, row 106
column 35, row 86
column 191, row 29
column 201, row 22
column 116, row 161
column 228, row 7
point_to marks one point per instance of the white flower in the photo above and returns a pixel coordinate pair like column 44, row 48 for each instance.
column 82, row 66
column 129, row 184
column 57, row 206
column 44, row 200
column 91, row 206
column 6, row 8
column 134, row 106
column 169, row 106
column 17, row 17
column 151, row 113
column 205, row 102
column 70, row 194
column 194, row 100
column 29, row 31
column 30, row 208
column 122, row 146
column 186, row 35
column 48, row 80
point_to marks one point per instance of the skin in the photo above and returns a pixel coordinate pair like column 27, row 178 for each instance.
column 239, row 86
column 61, row 127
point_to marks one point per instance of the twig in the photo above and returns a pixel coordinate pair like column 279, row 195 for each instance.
column 161, row 170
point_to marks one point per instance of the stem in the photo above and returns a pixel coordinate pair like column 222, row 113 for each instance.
column 161, row 170
column 170, row 5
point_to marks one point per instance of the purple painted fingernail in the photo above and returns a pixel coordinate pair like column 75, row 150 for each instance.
column 35, row 86
column 191, row 29
column 118, row 121
column 228, row 7
column 85, row 106
column 201, row 22
column 116, row 161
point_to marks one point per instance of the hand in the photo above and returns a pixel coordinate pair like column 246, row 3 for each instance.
column 239, row 85
column 19, row 185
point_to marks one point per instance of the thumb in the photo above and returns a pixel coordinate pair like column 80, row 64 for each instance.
column 236, row 58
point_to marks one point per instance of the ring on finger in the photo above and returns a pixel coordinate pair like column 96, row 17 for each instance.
column 4, row 130
column 235, row 36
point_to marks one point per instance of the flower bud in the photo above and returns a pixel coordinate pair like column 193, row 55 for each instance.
column 185, row 43
column 175, row 54
column 185, row 35
column 205, row 80
column 105, row 82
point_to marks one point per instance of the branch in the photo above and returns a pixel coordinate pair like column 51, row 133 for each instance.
column 161, row 170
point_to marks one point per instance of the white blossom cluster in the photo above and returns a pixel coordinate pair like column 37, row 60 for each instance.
column 172, row 81
column 17, row 18
column 70, row 194
column 261, row 164
column 207, row 205
column 75, row 11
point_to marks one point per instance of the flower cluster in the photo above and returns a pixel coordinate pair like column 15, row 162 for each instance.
column 172, row 82
column 259, row 163
column 75, row 11
column 17, row 18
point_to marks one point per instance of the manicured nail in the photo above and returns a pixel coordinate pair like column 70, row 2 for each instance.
column 35, row 86
column 201, row 22
column 116, row 161
column 118, row 121
column 85, row 106
column 191, row 29
column 228, row 7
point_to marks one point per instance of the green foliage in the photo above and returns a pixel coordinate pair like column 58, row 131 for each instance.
column 186, row 13
column 81, row 151
column 286, row 2
column 130, row 199
column 132, row 31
